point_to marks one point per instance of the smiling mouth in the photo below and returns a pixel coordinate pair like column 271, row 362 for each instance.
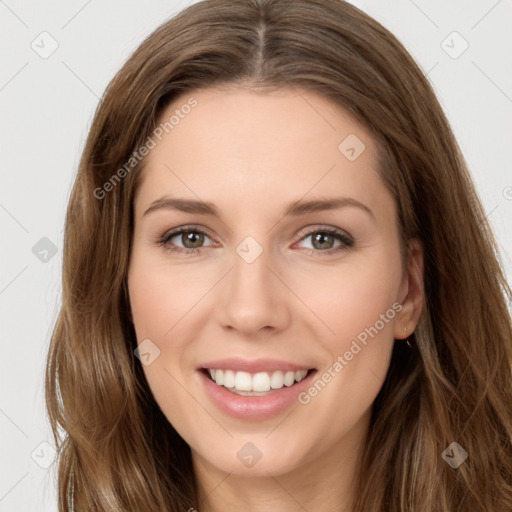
column 255, row 384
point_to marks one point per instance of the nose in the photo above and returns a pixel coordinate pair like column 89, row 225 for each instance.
column 254, row 298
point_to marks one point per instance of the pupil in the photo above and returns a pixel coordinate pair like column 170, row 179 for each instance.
column 189, row 237
column 321, row 237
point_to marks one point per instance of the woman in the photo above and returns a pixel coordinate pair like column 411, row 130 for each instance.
column 206, row 359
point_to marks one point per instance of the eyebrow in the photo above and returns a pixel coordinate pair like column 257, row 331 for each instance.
column 294, row 209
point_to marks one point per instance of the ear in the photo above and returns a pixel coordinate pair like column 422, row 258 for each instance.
column 411, row 291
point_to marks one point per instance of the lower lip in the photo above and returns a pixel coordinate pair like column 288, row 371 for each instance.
column 254, row 407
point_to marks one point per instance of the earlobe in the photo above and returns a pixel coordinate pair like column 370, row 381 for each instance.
column 412, row 303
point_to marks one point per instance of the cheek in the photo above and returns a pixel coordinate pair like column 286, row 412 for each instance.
column 160, row 297
column 151, row 307
column 166, row 309
column 352, row 297
column 160, row 300
column 359, row 305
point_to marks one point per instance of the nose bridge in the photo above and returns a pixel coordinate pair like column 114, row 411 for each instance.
column 250, row 268
column 254, row 298
column 251, row 277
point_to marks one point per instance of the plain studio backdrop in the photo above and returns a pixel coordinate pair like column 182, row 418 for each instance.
column 58, row 57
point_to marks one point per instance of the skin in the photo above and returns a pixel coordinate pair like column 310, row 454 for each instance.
column 251, row 154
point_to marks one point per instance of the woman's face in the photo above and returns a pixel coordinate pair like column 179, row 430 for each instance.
column 266, row 290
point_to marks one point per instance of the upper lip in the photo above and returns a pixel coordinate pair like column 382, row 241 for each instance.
column 253, row 366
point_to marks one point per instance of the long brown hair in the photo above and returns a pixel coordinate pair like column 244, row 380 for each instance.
column 119, row 452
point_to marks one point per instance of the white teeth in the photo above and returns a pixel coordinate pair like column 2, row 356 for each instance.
column 289, row 378
column 258, row 383
column 243, row 381
column 299, row 375
column 277, row 380
column 261, row 382
column 227, row 378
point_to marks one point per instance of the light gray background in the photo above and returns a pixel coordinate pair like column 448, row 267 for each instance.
column 46, row 109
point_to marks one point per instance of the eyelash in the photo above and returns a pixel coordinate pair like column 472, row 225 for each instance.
column 346, row 240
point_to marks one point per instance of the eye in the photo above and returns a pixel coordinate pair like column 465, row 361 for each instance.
column 323, row 240
column 193, row 238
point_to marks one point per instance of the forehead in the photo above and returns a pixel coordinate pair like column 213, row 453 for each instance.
column 239, row 144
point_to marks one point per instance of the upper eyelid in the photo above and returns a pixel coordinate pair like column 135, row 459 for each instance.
column 171, row 233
